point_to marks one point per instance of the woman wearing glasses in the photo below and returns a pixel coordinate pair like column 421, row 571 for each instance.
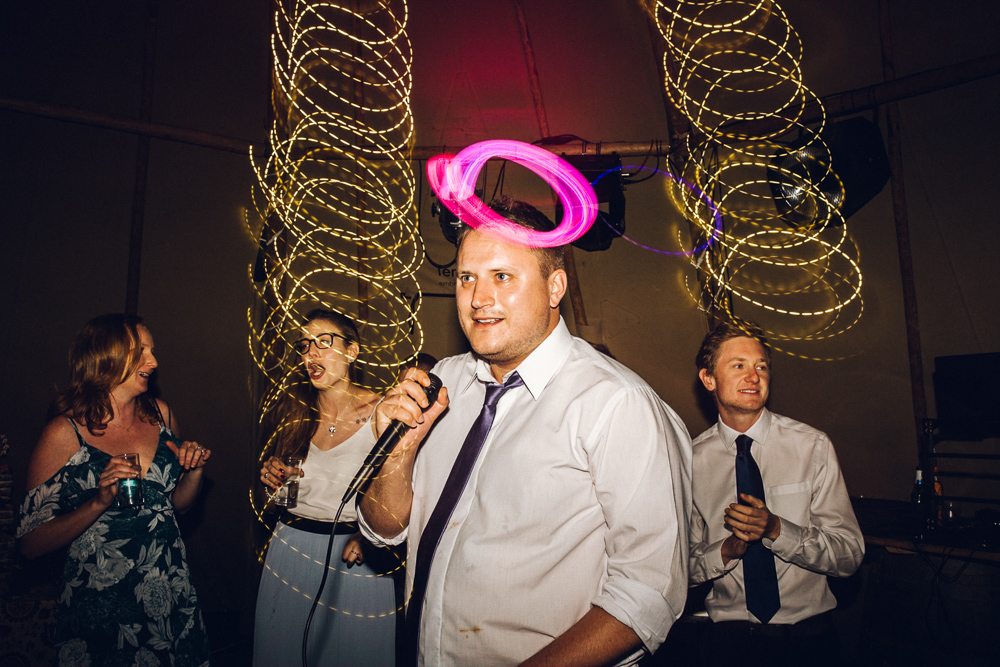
column 325, row 419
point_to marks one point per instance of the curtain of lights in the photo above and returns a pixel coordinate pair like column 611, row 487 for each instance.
column 736, row 64
column 335, row 199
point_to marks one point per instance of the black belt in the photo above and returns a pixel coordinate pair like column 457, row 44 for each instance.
column 814, row 625
column 317, row 527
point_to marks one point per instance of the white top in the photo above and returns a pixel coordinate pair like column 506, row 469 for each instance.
column 804, row 487
column 578, row 498
column 328, row 474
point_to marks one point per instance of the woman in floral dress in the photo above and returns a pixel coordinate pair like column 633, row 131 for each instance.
column 127, row 597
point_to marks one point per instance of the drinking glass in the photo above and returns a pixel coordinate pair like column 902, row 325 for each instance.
column 287, row 495
column 130, row 489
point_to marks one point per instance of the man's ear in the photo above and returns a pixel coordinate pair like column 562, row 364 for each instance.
column 557, row 282
column 707, row 379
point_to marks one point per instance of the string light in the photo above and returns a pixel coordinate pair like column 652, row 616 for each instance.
column 335, row 200
column 740, row 60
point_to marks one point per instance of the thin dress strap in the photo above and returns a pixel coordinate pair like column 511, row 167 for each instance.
column 79, row 436
column 159, row 415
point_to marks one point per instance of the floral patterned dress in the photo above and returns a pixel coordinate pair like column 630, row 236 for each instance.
column 127, row 598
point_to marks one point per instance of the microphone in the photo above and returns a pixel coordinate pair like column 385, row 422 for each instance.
column 390, row 438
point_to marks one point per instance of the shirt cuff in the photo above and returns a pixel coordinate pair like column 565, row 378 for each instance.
column 639, row 607
column 374, row 537
column 713, row 561
column 788, row 540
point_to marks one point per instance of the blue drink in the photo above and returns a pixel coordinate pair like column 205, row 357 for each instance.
column 130, row 490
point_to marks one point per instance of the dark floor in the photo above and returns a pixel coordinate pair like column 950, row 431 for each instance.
column 231, row 646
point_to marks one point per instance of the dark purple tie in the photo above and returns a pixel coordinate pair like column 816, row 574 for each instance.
column 759, row 575
column 453, row 488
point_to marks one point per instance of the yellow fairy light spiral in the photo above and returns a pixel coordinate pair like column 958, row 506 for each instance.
column 336, row 197
column 335, row 202
column 734, row 70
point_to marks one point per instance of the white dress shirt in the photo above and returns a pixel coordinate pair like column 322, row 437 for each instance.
column 578, row 498
column 804, row 487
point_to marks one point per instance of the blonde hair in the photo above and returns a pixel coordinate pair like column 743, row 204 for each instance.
column 105, row 352
column 709, row 352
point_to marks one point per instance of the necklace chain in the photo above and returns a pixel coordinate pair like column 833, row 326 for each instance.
column 127, row 429
column 332, row 429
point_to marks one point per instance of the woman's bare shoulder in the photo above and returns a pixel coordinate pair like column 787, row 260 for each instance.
column 169, row 418
column 55, row 447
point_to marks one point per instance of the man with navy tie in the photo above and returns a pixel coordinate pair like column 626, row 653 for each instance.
column 771, row 519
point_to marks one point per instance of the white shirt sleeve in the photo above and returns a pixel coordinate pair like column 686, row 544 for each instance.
column 832, row 542
column 641, row 471
column 374, row 537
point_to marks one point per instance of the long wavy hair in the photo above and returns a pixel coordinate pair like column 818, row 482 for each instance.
column 289, row 426
column 105, row 352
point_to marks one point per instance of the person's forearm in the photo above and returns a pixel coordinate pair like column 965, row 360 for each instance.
column 596, row 639
column 60, row 531
column 710, row 561
column 186, row 492
column 387, row 502
column 733, row 548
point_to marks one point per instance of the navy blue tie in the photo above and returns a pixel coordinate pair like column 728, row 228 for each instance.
column 452, row 491
column 759, row 575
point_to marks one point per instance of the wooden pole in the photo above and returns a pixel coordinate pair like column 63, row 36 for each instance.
column 678, row 127
column 575, row 295
column 903, row 232
column 141, row 167
column 836, row 105
column 133, row 126
column 863, row 99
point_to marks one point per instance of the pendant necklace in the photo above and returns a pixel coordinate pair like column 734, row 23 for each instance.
column 333, row 427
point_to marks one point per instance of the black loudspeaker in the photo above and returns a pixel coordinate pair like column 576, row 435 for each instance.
column 967, row 395
column 857, row 158
column 604, row 172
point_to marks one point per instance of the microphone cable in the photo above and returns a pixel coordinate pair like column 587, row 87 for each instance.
column 366, row 473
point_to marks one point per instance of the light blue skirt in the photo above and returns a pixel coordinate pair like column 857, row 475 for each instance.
column 355, row 621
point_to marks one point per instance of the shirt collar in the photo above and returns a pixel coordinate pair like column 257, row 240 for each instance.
column 538, row 367
column 757, row 432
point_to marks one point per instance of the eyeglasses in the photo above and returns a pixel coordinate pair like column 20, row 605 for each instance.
column 324, row 341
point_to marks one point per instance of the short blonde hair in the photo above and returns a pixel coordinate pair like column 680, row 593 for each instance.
column 709, row 351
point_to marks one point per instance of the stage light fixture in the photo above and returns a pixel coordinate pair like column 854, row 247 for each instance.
column 604, row 173
column 450, row 223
